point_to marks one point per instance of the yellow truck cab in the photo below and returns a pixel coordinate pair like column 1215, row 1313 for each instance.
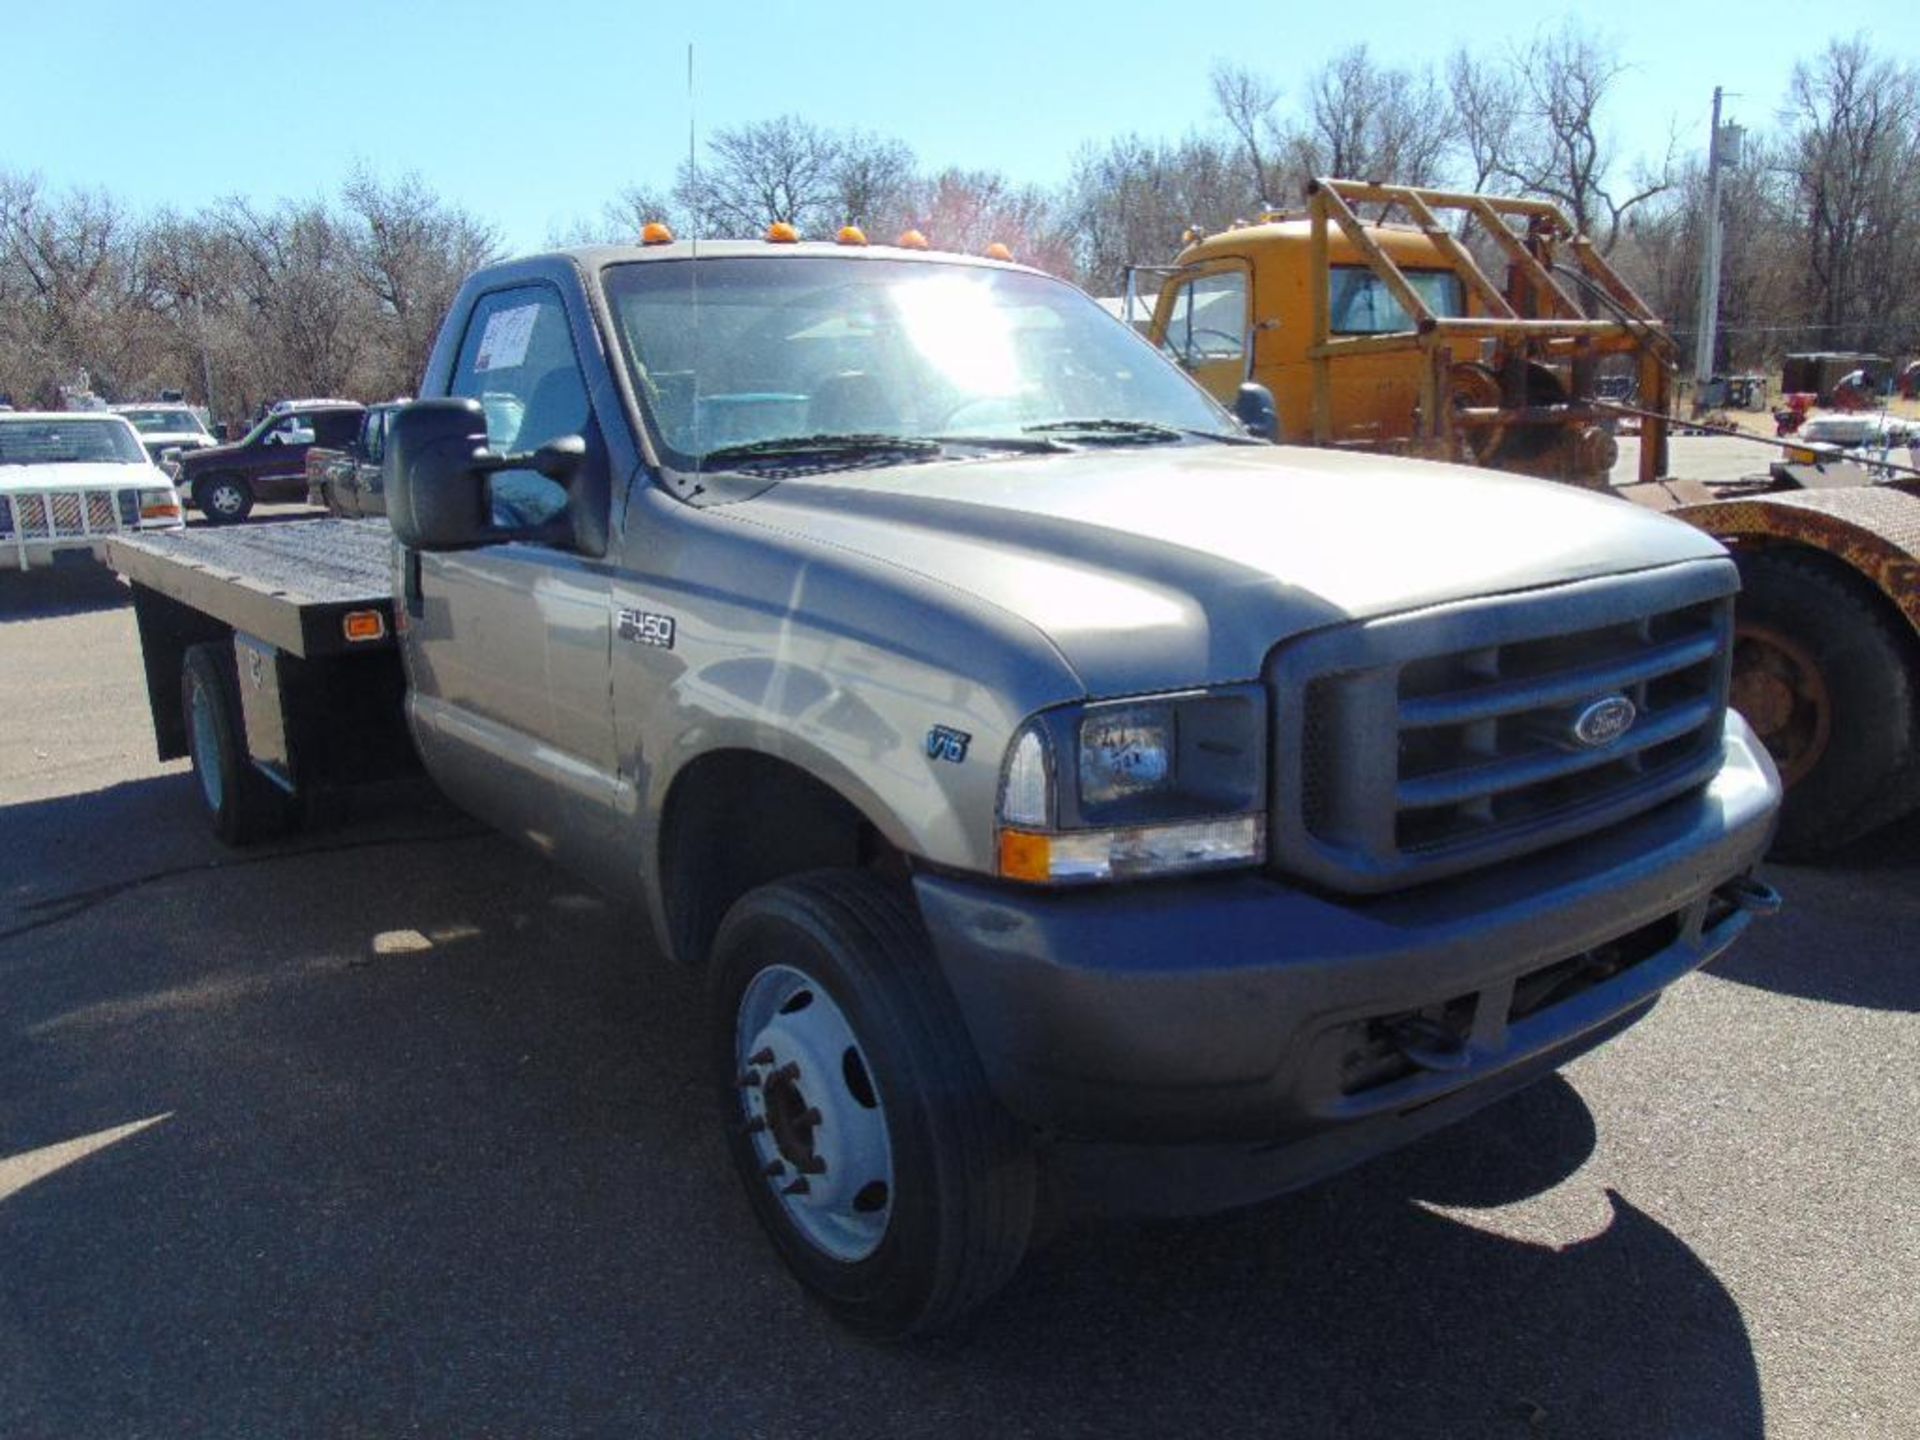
column 1251, row 285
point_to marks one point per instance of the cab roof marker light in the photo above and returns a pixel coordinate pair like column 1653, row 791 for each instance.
column 911, row 240
column 851, row 235
column 781, row 233
column 998, row 251
column 656, row 233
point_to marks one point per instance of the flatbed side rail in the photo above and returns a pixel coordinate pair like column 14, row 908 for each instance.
column 291, row 584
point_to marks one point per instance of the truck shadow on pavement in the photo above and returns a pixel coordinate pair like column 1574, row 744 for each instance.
column 1833, row 942
column 423, row 1145
column 60, row 590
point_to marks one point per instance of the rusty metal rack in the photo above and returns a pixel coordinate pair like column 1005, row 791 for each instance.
column 1479, row 380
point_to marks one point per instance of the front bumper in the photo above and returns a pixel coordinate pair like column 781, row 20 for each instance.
column 1242, row 1009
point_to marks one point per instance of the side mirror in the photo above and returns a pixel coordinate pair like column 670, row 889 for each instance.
column 436, row 488
column 1253, row 407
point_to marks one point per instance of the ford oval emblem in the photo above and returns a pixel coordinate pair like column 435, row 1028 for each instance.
column 1604, row 721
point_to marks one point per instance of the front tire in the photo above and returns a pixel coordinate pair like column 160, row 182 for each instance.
column 242, row 805
column 223, row 499
column 1826, row 682
column 887, row 1176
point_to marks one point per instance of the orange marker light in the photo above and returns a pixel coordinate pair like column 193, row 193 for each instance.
column 851, row 235
column 364, row 625
column 781, row 233
column 656, row 233
column 998, row 251
column 911, row 240
column 1025, row 857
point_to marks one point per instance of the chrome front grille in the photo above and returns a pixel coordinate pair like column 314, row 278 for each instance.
column 1430, row 743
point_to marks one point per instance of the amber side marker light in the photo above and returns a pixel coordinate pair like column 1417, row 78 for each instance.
column 159, row 512
column 1025, row 856
column 781, row 233
column 656, row 234
column 364, row 625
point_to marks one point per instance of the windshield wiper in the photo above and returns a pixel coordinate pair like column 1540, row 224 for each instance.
column 803, row 447
column 1126, row 432
column 1020, row 444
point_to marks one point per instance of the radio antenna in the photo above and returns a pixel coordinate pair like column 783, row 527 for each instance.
column 694, row 198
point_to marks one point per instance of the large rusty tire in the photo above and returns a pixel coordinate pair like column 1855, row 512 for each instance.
column 1824, row 678
column 887, row 1176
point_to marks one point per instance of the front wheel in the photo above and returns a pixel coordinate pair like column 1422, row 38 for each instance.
column 223, row 499
column 888, row 1178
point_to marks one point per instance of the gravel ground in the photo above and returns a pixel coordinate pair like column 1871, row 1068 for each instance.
column 270, row 1164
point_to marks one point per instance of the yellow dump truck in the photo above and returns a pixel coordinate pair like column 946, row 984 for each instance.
column 1389, row 333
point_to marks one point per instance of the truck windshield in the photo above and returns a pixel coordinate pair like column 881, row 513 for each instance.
column 1362, row 304
column 68, row 442
column 165, row 422
column 797, row 346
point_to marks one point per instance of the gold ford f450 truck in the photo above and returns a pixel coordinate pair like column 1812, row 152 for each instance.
column 1054, row 783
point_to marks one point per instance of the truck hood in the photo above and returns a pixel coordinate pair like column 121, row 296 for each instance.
column 212, row 453
column 1166, row 567
column 81, row 474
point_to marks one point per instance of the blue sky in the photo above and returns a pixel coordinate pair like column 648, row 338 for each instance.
column 534, row 113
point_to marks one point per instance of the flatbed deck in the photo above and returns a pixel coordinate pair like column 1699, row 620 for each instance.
column 290, row 583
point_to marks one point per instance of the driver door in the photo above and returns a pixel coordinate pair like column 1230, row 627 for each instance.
column 509, row 651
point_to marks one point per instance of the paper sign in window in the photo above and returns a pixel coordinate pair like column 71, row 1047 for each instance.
column 503, row 344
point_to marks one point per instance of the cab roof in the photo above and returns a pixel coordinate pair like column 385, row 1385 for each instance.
column 1405, row 245
column 593, row 257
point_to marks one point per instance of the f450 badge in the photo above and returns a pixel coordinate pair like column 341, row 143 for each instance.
column 643, row 628
column 946, row 743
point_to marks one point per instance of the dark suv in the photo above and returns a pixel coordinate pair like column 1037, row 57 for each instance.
column 270, row 462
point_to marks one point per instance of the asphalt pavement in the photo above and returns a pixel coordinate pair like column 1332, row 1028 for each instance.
column 390, row 1129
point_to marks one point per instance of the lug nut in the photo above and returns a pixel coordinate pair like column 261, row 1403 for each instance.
column 788, row 1071
column 748, row 1080
column 798, row 1187
column 812, row 1165
column 774, row 1168
column 754, row 1126
column 763, row 1056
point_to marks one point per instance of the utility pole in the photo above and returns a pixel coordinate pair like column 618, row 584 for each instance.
column 1709, row 264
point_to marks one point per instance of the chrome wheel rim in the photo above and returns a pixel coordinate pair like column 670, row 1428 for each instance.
column 813, row 1113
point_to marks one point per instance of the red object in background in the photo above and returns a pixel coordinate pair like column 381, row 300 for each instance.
column 1910, row 382
column 1794, row 412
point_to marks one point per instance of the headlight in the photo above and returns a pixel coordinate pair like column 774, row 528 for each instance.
column 1117, row 790
column 159, row 505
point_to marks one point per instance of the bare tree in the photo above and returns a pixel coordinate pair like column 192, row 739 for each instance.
column 1131, row 201
column 1372, row 122
column 763, row 173
column 1246, row 102
column 872, row 179
column 1854, row 158
column 1485, row 100
column 1561, row 149
column 410, row 251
